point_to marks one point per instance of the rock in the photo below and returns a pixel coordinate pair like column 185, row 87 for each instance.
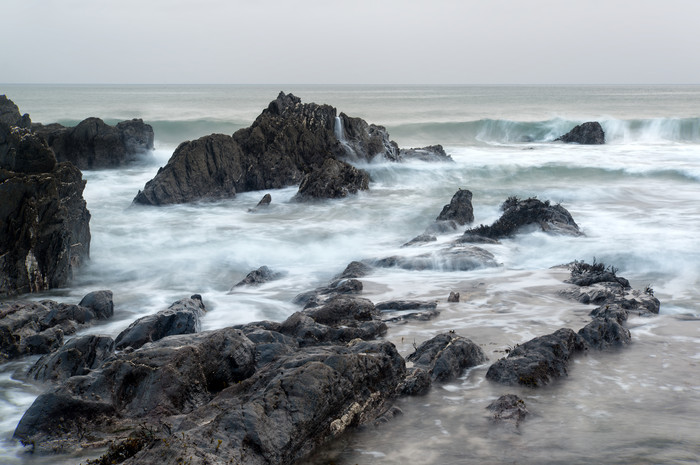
column 335, row 179
column 77, row 357
column 518, row 214
column 182, row 317
column 355, row 269
column 287, row 141
column 602, row 333
column 459, row 209
column 454, row 297
column 538, row 361
column 44, row 222
column 31, row 328
column 446, row 356
column 264, row 203
column 416, row 383
column 101, row 302
column 92, row 144
column 10, row 115
column 257, row 277
column 432, row 153
column 583, row 274
column 508, row 408
column 590, row 133
column 421, row 239
column 455, row 259
column 404, row 310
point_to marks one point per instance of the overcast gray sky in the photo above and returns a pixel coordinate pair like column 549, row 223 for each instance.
column 351, row 41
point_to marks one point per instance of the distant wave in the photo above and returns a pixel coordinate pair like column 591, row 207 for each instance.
column 496, row 131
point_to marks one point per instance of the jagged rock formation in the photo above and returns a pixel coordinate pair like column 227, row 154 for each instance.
column 590, row 133
column 92, row 144
column 335, row 179
column 44, row 222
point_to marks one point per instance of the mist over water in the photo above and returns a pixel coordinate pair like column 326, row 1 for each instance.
column 635, row 198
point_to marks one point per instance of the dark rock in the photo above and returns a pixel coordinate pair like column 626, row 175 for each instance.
column 257, row 277
column 335, row 179
column 508, row 408
column 182, row 317
column 92, row 144
column 520, row 213
column 422, row 239
column 355, row 270
column 77, row 357
column 10, row 115
column 424, row 315
column 459, row 209
column 44, row 222
column 425, row 310
column 361, row 141
column 432, row 153
column 602, row 333
column 454, row 297
column 99, row 302
column 264, row 202
column 590, row 133
column 446, row 356
column 30, row 328
column 583, row 274
column 416, row 383
column 538, row 361
column 456, row 259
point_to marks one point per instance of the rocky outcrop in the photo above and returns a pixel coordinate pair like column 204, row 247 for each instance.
column 361, row 141
column 44, row 222
column 335, row 179
column 261, row 393
column 519, row 214
column 590, row 133
column 181, row 317
column 93, row 144
column 431, row 153
column 31, row 328
column 446, row 356
column 10, row 115
column 459, row 210
column 77, row 357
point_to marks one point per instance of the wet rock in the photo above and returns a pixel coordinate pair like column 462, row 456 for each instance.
column 257, row 277
column 182, row 317
column 432, row 153
column 93, row 144
column 454, row 297
column 518, row 214
column 416, row 383
column 455, row 259
column 538, row 361
column 584, row 274
column 355, row 269
column 334, row 179
column 590, row 133
column 361, row 141
column 100, row 302
column 77, row 357
column 404, row 310
column 31, row 328
column 421, row 239
column 508, row 408
column 446, row 356
column 264, row 203
column 459, row 209
column 44, row 222
column 602, row 333
column 10, row 115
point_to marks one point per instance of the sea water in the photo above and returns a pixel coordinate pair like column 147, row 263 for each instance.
column 635, row 198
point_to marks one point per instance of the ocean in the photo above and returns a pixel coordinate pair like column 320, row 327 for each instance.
column 636, row 198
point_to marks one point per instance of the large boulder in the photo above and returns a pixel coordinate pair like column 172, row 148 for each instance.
column 44, row 221
column 446, row 356
column 30, row 328
column 335, row 179
column 520, row 214
column 181, row 317
column 459, row 210
column 93, row 144
column 77, row 357
column 590, row 133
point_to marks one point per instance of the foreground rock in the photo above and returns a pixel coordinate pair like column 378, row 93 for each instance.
column 93, row 144
column 288, row 141
column 77, row 357
column 261, row 393
column 44, row 221
column 31, row 328
column 519, row 214
column 590, row 133
column 335, row 179
column 509, row 409
column 181, row 317
column 446, row 356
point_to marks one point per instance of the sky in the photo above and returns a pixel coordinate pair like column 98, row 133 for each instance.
column 350, row 41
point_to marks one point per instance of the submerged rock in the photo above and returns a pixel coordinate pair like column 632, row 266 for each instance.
column 454, row 259
column 432, row 153
column 590, row 133
column 508, row 408
column 257, row 277
column 518, row 214
column 93, row 144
